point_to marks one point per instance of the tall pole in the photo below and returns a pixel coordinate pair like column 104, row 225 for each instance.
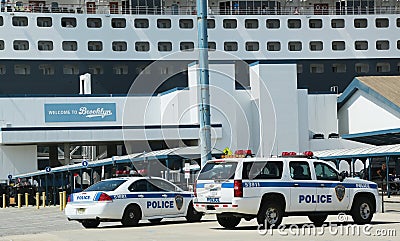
column 204, row 99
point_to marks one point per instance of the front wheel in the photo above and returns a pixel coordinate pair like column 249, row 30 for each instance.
column 318, row 219
column 270, row 215
column 362, row 210
column 228, row 222
column 192, row 215
column 90, row 223
column 131, row 216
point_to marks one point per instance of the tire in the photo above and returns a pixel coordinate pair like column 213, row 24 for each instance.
column 318, row 219
column 362, row 210
column 192, row 215
column 228, row 222
column 270, row 214
column 155, row 220
column 90, row 223
column 131, row 217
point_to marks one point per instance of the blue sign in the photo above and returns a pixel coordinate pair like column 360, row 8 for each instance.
column 48, row 169
column 80, row 112
column 85, row 163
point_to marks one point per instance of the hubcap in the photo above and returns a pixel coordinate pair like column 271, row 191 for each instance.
column 272, row 215
column 365, row 211
column 131, row 215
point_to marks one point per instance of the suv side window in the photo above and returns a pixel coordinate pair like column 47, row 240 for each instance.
column 262, row 170
column 325, row 172
column 299, row 170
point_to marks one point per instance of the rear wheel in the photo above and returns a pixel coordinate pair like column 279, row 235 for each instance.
column 90, row 223
column 362, row 210
column 318, row 219
column 155, row 220
column 131, row 216
column 270, row 215
column 228, row 221
column 192, row 215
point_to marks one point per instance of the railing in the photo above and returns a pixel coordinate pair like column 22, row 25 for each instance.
column 191, row 10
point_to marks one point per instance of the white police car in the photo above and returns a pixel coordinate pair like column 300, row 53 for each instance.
column 130, row 199
column 270, row 188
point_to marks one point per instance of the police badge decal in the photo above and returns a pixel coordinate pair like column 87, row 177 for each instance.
column 179, row 202
column 340, row 190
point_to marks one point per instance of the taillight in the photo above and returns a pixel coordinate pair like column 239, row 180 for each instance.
column 194, row 188
column 237, row 188
column 104, row 198
column 69, row 198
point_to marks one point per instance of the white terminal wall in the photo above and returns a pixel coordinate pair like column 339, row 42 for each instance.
column 17, row 159
column 321, row 118
column 365, row 113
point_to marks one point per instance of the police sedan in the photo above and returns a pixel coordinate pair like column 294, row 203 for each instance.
column 130, row 199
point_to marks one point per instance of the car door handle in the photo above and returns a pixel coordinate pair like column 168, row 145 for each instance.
column 296, row 184
column 140, row 196
column 322, row 185
column 164, row 195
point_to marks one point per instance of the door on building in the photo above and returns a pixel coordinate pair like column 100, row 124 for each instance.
column 91, row 7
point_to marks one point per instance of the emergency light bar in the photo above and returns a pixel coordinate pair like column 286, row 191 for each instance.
column 307, row 154
column 239, row 154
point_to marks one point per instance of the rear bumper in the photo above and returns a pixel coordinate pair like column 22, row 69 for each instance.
column 248, row 206
column 93, row 211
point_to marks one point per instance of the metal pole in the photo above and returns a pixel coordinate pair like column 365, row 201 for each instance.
column 204, row 102
column 387, row 177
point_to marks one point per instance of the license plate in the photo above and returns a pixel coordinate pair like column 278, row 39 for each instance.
column 81, row 210
column 212, row 200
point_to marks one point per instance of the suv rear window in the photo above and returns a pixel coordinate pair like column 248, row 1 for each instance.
column 262, row 170
column 109, row 185
column 218, row 171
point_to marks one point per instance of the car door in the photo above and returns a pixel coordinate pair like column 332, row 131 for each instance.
column 175, row 202
column 141, row 191
column 303, row 189
column 332, row 194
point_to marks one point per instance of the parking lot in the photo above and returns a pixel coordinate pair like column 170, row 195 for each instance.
column 50, row 224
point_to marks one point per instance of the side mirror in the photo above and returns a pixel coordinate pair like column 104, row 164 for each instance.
column 342, row 176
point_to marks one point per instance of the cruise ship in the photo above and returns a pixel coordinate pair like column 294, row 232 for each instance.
column 46, row 45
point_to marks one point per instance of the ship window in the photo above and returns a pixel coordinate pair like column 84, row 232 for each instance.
column 47, row 69
column 20, row 21
column 360, row 23
column 95, row 46
column 294, row 23
column 44, row 22
column 230, row 46
column 1, row 44
column 398, row 68
column 397, row 22
column 398, row 44
column 316, row 68
column 96, row 69
column 316, row 46
column 21, row 45
column 361, row 45
column 68, row 22
column 163, row 23
column 118, row 23
column 299, row 68
column 120, row 69
column 94, row 23
column 338, row 68
column 382, row 45
column 142, row 69
column 252, row 46
column 212, row 46
column 141, row 23
column 45, row 45
column 165, row 70
column 294, row 46
column 22, row 69
column 185, row 23
column 251, row 23
column 2, row 69
column 1, row 21
column 119, row 46
column 70, row 45
column 337, row 23
column 273, row 23
column 273, row 46
column 362, row 68
column 142, row 46
column 187, row 46
column 71, row 69
column 315, row 23
column 382, row 67
column 230, row 23
column 382, row 23
column 164, row 46
column 338, row 45
column 210, row 23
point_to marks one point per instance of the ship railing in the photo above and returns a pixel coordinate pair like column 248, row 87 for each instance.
column 191, row 10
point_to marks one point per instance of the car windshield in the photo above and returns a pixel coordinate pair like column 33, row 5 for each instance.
column 218, row 170
column 107, row 185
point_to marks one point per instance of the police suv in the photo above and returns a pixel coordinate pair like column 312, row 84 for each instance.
column 130, row 199
column 271, row 188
